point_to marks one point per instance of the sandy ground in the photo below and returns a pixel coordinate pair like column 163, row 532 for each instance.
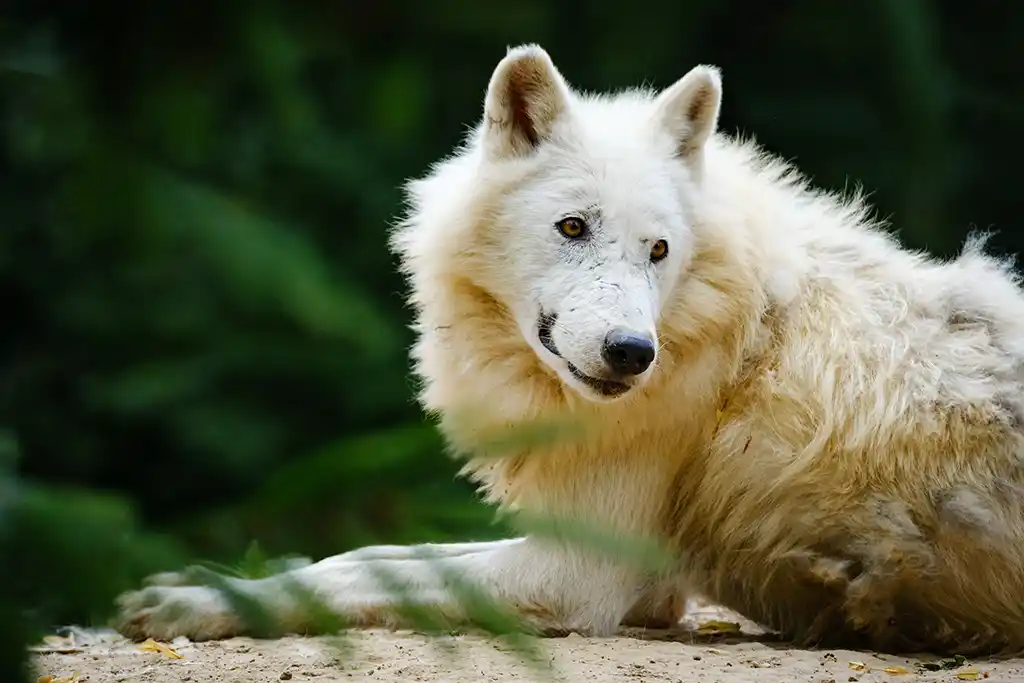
column 384, row 656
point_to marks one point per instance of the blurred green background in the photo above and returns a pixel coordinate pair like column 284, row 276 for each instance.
column 204, row 335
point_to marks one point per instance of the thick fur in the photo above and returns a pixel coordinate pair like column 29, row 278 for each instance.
column 829, row 438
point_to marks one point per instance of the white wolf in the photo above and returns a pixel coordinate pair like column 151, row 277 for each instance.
column 825, row 428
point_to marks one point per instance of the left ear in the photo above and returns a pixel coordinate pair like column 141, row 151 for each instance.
column 688, row 109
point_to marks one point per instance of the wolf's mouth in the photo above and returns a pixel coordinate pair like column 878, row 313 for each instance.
column 545, row 322
column 605, row 387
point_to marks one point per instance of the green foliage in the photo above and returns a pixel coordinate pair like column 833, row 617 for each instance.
column 66, row 554
column 204, row 331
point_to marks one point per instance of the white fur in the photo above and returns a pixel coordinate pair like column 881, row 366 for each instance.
column 828, row 438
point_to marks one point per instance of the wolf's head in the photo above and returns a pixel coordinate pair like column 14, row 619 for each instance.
column 584, row 213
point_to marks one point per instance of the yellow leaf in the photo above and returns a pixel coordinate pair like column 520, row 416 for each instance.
column 896, row 670
column 150, row 645
column 971, row 674
column 715, row 626
column 858, row 666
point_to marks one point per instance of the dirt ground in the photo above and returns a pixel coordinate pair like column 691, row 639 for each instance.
column 692, row 654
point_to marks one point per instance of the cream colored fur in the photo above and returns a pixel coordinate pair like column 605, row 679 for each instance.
column 829, row 438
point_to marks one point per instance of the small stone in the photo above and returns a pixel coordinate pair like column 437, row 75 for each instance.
column 285, row 676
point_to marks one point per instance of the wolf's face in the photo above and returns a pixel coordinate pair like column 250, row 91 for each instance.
column 596, row 232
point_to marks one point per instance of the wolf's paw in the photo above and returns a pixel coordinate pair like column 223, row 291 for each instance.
column 165, row 612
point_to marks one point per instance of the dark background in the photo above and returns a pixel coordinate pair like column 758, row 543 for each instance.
column 203, row 333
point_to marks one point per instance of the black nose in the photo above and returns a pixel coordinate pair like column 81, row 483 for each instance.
column 628, row 353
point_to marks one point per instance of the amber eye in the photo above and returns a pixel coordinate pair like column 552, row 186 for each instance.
column 659, row 250
column 571, row 227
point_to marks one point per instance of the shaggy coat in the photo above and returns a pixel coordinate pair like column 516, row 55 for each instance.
column 828, row 435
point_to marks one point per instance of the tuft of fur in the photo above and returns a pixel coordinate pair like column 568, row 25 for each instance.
column 831, row 436
column 824, row 427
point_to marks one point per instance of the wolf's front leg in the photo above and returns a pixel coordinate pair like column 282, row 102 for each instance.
column 550, row 586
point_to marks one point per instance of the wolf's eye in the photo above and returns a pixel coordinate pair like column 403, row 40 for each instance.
column 571, row 227
column 659, row 250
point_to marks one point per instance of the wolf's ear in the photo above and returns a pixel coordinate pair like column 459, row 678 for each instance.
column 525, row 98
column 688, row 109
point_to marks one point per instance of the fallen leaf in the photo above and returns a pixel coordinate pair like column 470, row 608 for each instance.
column 61, row 679
column 150, row 645
column 896, row 670
column 714, row 651
column 858, row 666
column 715, row 627
column 971, row 674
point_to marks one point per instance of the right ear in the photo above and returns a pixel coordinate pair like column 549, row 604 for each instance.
column 688, row 109
column 525, row 99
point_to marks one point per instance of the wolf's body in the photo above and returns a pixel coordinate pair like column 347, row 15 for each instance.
column 825, row 428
